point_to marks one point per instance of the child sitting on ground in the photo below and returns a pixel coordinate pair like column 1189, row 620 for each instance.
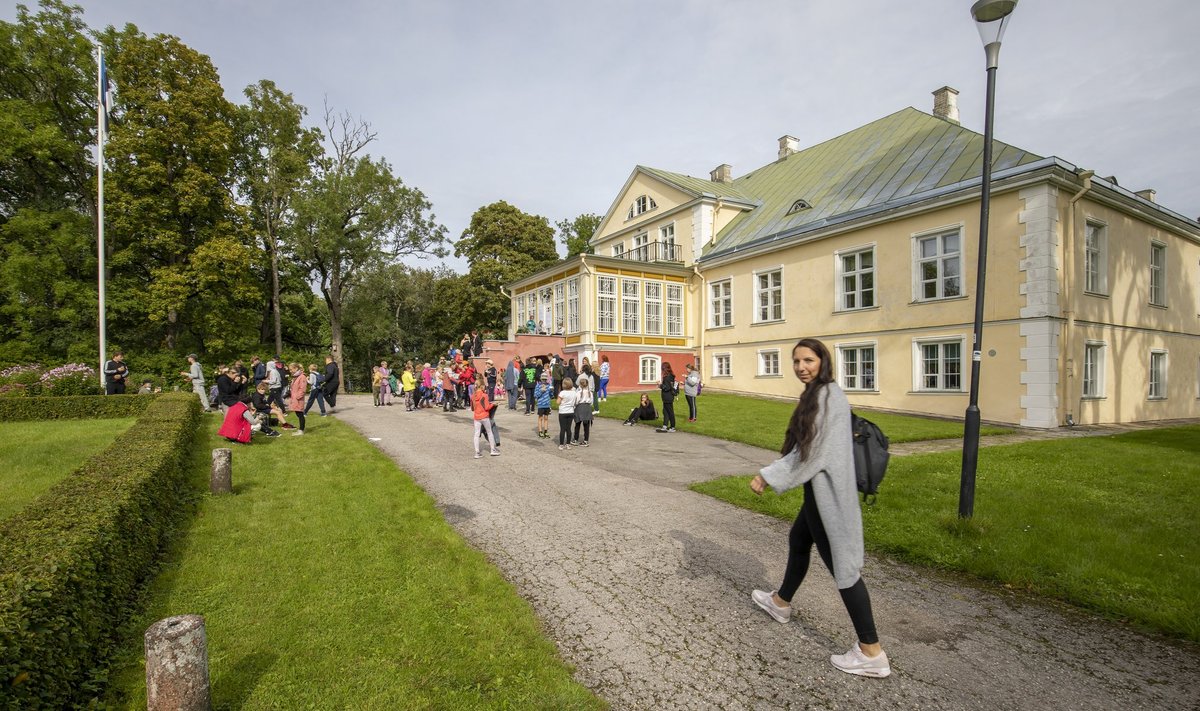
column 643, row 412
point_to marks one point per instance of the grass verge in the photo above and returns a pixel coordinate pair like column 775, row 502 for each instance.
column 35, row 455
column 1107, row 523
column 330, row 580
column 761, row 422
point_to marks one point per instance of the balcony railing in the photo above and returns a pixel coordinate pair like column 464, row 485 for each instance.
column 654, row 252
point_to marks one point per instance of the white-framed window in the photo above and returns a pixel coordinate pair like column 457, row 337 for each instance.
column 522, row 315
column 674, row 309
column 721, row 293
column 666, row 239
column 560, row 307
column 1158, row 274
column 641, row 250
column 649, row 367
column 573, row 305
column 768, row 295
column 546, row 314
column 1093, row 369
column 618, row 249
column 606, row 304
column 939, row 365
column 630, row 305
column 939, row 265
column 1158, row 375
column 856, row 279
column 642, row 203
column 654, row 308
column 768, row 362
column 858, row 367
column 1095, row 258
column 722, row 366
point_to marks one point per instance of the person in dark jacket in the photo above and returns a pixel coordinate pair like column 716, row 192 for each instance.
column 259, row 369
column 329, row 382
column 115, row 373
column 668, row 387
column 644, row 412
column 227, row 388
column 261, row 403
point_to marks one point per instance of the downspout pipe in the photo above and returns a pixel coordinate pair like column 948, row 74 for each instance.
column 703, row 314
column 1071, row 400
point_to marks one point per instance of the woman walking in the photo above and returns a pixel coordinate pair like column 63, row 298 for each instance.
column 602, row 388
column 583, row 411
column 669, row 387
column 817, row 453
column 480, row 406
column 299, row 388
column 567, row 398
column 691, row 389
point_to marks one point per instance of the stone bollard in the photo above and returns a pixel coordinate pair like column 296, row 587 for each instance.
column 221, row 481
column 177, row 665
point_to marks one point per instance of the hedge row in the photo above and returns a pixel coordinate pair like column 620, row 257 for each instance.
column 74, row 407
column 71, row 562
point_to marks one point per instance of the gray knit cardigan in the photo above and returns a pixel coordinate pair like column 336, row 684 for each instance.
column 830, row 468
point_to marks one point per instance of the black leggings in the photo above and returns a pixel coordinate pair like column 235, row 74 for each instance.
column 300, row 416
column 806, row 531
column 669, row 413
column 587, row 430
column 564, row 427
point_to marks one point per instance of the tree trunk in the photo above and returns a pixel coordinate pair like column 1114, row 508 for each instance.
column 275, row 292
column 333, row 297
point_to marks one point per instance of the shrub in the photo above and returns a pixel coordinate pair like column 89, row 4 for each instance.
column 72, row 561
column 71, row 379
column 81, row 407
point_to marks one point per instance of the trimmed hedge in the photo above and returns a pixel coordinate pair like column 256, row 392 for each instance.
column 71, row 562
column 74, row 407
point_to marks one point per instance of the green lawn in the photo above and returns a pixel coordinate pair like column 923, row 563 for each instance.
column 761, row 422
column 1108, row 523
column 330, row 581
column 34, row 456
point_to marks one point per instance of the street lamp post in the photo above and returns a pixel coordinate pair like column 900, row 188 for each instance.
column 991, row 17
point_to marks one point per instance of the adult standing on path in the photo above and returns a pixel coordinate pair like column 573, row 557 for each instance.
column 818, row 454
column 481, row 406
column 691, row 389
column 669, row 387
column 330, row 382
column 115, row 373
column 512, row 380
column 195, row 375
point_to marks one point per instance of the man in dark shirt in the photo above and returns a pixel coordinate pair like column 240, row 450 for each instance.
column 260, row 370
column 115, row 372
column 330, row 382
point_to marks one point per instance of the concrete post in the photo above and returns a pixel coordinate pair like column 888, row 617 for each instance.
column 221, row 481
column 177, row 665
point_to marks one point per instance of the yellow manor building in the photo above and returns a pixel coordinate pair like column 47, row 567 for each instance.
column 869, row 241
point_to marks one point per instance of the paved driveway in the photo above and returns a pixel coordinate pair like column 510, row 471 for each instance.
column 645, row 586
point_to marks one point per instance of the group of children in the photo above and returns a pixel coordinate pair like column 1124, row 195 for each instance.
column 255, row 399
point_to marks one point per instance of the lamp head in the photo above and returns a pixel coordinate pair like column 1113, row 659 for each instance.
column 991, row 19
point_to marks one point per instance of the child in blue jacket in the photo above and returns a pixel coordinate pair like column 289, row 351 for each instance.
column 543, row 392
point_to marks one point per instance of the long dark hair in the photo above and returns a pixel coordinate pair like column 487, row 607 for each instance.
column 666, row 371
column 801, row 430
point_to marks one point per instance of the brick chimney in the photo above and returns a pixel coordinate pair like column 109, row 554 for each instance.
column 1147, row 194
column 722, row 173
column 945, row 104
column 788, row 145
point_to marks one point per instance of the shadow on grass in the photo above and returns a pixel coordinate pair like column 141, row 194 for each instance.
column 242, row 679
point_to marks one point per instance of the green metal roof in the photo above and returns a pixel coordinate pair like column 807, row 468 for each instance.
column 896, row 158
column 698, row 186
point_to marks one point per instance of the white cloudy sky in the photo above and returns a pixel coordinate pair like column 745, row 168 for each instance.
column 549, row 104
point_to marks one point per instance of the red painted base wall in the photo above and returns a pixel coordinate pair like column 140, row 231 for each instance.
column 624, row 366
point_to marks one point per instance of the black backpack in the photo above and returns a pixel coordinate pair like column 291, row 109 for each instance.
column 870, row 456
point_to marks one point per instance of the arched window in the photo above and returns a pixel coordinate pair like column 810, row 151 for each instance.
column 643, row 203
column 649, row 369
column 798, row 206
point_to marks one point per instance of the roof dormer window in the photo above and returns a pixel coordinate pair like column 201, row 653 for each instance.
column 643, row 203
column 799, row 206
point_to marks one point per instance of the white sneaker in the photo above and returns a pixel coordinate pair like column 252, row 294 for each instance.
column 855, row 662
column 766, row 600
column 256, row 427
column 495, row 453
column 297, row 433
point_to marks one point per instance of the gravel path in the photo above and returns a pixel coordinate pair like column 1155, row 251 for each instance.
column 645, row 586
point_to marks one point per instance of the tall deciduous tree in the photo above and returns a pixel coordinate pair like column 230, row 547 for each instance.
column 181, row 249
column 277, row 155
column 501, row 245
column 575, row 234
column 355, row 214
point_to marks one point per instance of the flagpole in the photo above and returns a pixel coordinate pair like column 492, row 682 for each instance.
column 100, row 138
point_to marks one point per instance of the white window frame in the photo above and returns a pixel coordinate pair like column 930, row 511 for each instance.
column 841, row 275
column 560, row 308
column 720, row 317
column 942, row 259
column 1157, row 377
column 722, row 366
column 919, row 373
column 764, row 371
column 652, row 292
column 674, row 301
column 521, row 316
column 666, row 242
column 1094, row 357
column 759, row 292
column 655, row 364
column 641, row 247
column 843, row 362
column 606, row 304
column 573, row 305
column 1095, row 258
column 641, row 205
column 618, row 249
column 1158, row 274
column 631, row 299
